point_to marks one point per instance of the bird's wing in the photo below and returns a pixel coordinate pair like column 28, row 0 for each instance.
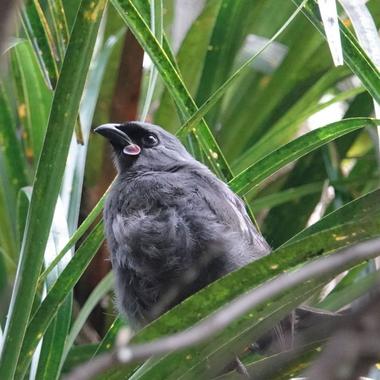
column 231, row 210
column 248, row 229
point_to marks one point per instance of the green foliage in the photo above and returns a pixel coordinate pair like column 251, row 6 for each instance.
column 246, row 109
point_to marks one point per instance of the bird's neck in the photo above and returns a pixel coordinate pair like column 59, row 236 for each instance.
column 137, row 172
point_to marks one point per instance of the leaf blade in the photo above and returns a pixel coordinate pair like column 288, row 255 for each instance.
column 260, row 170
column 61, row 122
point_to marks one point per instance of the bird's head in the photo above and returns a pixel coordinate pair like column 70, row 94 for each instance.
column 143, row 147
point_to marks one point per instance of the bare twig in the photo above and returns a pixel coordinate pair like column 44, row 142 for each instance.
column 355, row 347
column 210, row 326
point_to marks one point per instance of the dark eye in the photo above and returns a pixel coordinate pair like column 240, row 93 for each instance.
column 149, row 140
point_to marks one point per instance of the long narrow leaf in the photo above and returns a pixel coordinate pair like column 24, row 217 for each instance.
column 195, row 44
column 44, row 314
column 354, row 56
column 329, row 15
column 34, row 97
column 14, row 175
column 323, row 242
column 8, row 235
column 46, row 187
column 157, row 29
column 11, row 147
column 285, row 129
column 38, row 31
column 104, row 286
column 173, row 81
column 59, row 23
column 90, row 219
column 109, row 337
column 215, row 97
column 49, row 358
column 74, row 174
column 262, row 169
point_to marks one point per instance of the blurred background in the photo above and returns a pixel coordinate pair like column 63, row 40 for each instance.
column 291, row 88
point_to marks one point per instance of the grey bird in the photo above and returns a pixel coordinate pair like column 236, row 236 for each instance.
column 171, row 225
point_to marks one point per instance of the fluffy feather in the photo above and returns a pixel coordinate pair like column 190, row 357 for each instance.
column 171, row 225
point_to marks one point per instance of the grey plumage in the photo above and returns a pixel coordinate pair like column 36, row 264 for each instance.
column 171, row 225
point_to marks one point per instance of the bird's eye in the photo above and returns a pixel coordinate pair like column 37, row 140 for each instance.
column 150, row 140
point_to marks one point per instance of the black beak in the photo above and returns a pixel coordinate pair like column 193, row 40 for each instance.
column 114, row 134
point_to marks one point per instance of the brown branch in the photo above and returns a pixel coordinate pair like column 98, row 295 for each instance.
column 126, row 95
column 218, row 321
column 355, row 348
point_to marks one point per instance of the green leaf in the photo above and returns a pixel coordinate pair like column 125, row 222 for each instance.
column 227, row 37
column 173, row 81
column 268, row 165
column 325, row 241
column 49, row 307
column 14, row 175
column 347, row 294
column 275, row 199
column 86, row 224
column 104, row 286
column 157, row 30
column 71, row 190
column 3, row 283
column 220, row 91
column 71, row 8
column 296, row 193
column 48, row 360
column 34, row 97
column 288, row 125
column 23, row 201
column 46, row 187
column 39, row 34
column 59, row 23
column 17, row 172
column 284, row 221
column 282, row 366
column 354, row 56
column 143, row 8
column 109, row 338
column 194, row 44
column 353, row 210
column 78, row 355
column 258, row 102
column 8, row 234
